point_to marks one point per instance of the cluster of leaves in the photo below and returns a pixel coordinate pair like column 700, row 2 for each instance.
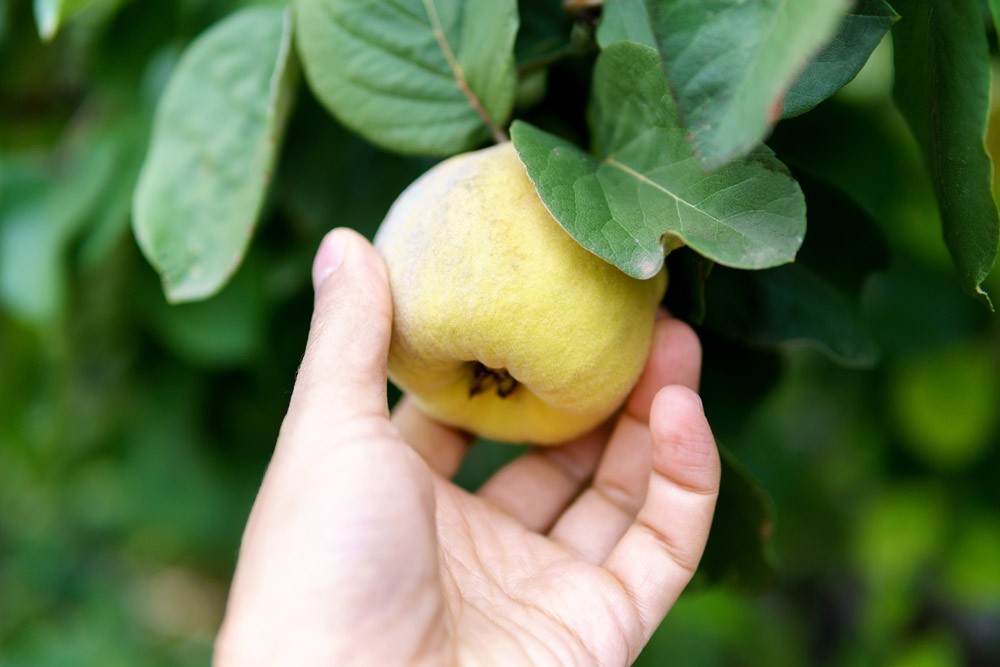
column 133, row 432
column 680, row 97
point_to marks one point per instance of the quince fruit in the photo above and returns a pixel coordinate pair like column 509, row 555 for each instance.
column 505, row 326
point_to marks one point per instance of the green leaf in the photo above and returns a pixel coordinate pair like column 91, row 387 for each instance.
column 788, row 305
column 646, row 193
column 213, row 148
column 942, row 86
column 413, row 76
column 739, row 551
column 841, row 60
column 730, row 62
column 39, row 219
column 625, row 20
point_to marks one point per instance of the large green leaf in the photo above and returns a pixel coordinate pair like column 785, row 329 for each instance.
column 730, row 62
column 942, row 86
column 645, row 193
column 213, row 148
column 840, row 60
column 414, row 76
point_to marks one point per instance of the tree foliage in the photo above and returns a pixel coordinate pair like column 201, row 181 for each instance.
column 817, row 177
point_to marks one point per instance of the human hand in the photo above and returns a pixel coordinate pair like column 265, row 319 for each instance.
column 359, row 550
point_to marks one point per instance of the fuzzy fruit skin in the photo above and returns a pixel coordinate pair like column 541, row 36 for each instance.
column 480, row 271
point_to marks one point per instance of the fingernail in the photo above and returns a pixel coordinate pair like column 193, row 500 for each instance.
column 329, row 256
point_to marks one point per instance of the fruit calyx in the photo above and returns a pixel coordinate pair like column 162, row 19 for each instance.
column 485, row 379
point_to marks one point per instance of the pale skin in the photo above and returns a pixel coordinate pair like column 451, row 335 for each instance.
column 359, row 549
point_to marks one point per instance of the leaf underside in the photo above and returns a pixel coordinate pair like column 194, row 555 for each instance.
column 839, row 62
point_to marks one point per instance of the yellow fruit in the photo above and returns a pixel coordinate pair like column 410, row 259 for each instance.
column 504, row 325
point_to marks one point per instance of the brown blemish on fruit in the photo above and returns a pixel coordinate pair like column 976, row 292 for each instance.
column 486, row 379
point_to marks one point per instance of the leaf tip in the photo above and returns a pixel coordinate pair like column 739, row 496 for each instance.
column 187, row 291
column 649, row 266
column 777, row 106
column 984, row 297
column 47, row 27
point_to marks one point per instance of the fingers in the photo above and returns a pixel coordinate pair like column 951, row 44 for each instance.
column 536, row 487
column 442, row 447
column 675, row 358
column 660, row 551
column 343, row 373
column 595, row 522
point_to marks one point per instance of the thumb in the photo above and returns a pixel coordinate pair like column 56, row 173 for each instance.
column 343, row 371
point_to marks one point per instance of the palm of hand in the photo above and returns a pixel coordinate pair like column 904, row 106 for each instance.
column 359, row 550
column 535, row 571
column 515, row 597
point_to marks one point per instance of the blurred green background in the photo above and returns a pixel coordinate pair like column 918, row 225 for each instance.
column 133, row 434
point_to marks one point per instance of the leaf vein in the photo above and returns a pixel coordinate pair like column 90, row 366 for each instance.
column 373, row 40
